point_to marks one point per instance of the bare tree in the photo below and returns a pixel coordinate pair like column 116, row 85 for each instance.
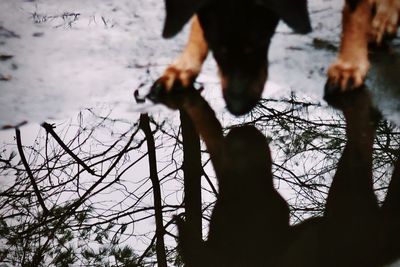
column 94, row 180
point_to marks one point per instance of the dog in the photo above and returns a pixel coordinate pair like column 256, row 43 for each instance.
column 354, row 230
column 364, row 22
column 238, row 33
column 249, row 224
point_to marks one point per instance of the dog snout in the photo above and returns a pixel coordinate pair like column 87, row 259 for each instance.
column 240, row 98
column 242, row 93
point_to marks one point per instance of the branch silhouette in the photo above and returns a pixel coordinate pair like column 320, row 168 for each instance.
column 160, row 244
column 29, row 172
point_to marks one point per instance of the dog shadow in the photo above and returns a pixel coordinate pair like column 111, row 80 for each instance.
column 354, row 230
column 249, row 225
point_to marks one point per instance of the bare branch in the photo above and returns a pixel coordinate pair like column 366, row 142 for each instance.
column 49, row 128
column 29, row 172
column 160, row 246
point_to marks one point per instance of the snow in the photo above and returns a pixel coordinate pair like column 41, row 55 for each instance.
column 73, row 54
column 73, row 64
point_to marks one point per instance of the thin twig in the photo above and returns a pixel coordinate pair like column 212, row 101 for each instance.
column 49, row 128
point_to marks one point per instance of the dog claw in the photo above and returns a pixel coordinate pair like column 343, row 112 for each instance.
column 331, row 88
column 386, row 20
column 335, row 87
column 173, row 81
column 346, row 75
column 173, row 97
column 157, row 91
column 350, row 84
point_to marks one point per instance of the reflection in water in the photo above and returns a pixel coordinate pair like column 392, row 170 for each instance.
column 99, row 191
column 242, row 162
column 353, row 231
column 349, row 229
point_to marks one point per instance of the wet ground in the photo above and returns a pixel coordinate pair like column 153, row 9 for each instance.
column 77, row 65
column 57, row 58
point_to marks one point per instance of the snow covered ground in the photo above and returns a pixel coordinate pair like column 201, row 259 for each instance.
column 68, row 55
column 60, row 57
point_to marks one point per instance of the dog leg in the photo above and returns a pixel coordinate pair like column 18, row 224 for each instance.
column 351, row 191
column 202, row 116
column 351, row 66
column 187, row 66
column 390, row 228
column 351, row 209
column 207, row 125
column 386, row 20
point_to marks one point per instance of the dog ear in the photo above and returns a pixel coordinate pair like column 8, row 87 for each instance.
column 178, row 13
column 293, row 12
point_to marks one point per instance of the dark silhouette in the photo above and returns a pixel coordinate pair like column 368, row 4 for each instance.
column 389, row 231
column 144, row 125
column 347, row 234
column 351, row 211
column 250, row 221
column 192, row 171
column 354, row 230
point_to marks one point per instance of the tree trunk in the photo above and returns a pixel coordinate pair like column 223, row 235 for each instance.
column 151, row 149
column 192, row 170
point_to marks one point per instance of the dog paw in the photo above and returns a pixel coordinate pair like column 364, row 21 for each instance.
column 176, row 97
column 386, row 20
column 344, row 76
column 176, row 77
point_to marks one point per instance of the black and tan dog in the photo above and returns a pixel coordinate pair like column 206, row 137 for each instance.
column 364, row 22
column 238, row 33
